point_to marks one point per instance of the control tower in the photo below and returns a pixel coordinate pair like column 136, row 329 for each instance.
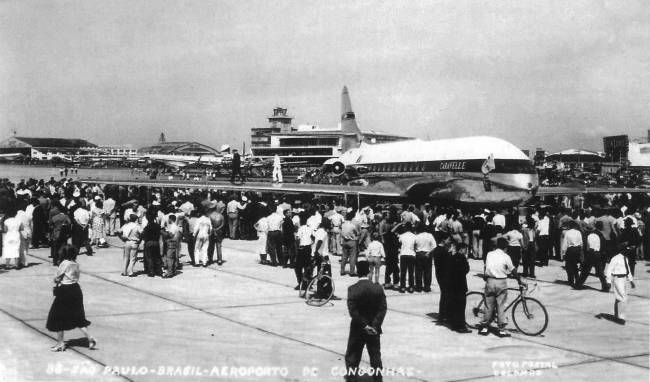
column 280, row 120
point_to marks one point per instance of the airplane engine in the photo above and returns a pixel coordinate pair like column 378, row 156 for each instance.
column 338, row 168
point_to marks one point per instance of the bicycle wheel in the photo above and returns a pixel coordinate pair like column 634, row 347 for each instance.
column 474, row 309
column 319, row 291
column 530, row 316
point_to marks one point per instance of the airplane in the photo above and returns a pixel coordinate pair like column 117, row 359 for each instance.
column 180, row 161
column 10, row 157
column 473, row 170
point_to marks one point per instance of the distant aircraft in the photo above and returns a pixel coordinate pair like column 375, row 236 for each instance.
column 180, row 161
column 11, row 157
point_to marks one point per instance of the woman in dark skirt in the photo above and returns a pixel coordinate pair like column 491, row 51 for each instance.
column 67, row 311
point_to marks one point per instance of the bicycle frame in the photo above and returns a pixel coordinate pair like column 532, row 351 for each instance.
column 520, row 296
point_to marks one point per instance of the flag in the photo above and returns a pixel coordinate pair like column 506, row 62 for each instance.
column 488, row 165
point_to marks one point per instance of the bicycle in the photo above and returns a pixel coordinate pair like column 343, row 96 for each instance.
column 320, row 288
column 528, row 314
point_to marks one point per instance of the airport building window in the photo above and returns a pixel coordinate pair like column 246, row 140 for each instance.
column 289, row 142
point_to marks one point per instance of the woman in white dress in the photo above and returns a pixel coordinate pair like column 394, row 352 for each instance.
column 262, row 228
column 11, row 240
column 26, row 236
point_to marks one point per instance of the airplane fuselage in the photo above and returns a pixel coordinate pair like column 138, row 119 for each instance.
column 450, row 170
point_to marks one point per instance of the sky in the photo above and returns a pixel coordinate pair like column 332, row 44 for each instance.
column 550, row 74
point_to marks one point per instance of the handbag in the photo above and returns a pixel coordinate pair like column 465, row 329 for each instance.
column 55, row 290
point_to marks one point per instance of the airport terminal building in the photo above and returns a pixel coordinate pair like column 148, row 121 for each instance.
column 310, row 143
column 46, row 148
column 185, row 148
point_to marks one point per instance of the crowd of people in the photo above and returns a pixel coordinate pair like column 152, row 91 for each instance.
column 405, row 242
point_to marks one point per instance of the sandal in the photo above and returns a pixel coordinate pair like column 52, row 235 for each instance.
column 57, row 348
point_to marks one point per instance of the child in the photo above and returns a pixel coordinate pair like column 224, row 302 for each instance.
column 375, row 254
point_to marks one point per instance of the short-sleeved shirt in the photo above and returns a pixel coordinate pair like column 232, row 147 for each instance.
column 131, row 231
column 275, row 221
column 543, row 226
column 498, row 264
column 514, row 238
column 336, row 219
column 593, row 242
column 262, row 225
column 349, row 231
column 573, row 238
column 499, row 220
column 321, row 235
column 408, row 244
column 424, row 242
column 70, row 271
column 376, row 249
column 304, row 235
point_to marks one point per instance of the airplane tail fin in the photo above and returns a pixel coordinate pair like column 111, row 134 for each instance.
column 352, row 134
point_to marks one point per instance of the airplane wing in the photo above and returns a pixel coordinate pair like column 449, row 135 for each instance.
column 551, row 191
column 287, row 188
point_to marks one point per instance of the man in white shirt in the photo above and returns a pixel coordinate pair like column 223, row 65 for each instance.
column 499, row 220
column 274, row 237
column 618, row 272
column 544, row 238
column 573, row 243
column 302, row 268
column 187, row 208
column 335, row 232
column 80, row 230
column 130, row 235
column 201, row 233
column 424, row 246
column 515, row 244
column 498, row 266
column 406, row 257
column 109, row 216
column 375, row 255
column 232, row 208
column 594, row 256
column 277, row 169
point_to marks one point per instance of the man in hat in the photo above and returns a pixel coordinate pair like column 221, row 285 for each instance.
column 367, row 308
column 236, row 167
column 594, row 256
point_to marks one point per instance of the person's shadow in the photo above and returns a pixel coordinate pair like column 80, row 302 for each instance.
column 438, row 320
column 607, row 316
column 78, row 342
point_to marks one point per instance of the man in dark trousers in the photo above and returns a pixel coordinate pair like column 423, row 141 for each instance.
column 236, row 166
column 367, row 307
column 440, row 259
column 457, row 268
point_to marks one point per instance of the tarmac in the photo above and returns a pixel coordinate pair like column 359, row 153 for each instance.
column 244, row 321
